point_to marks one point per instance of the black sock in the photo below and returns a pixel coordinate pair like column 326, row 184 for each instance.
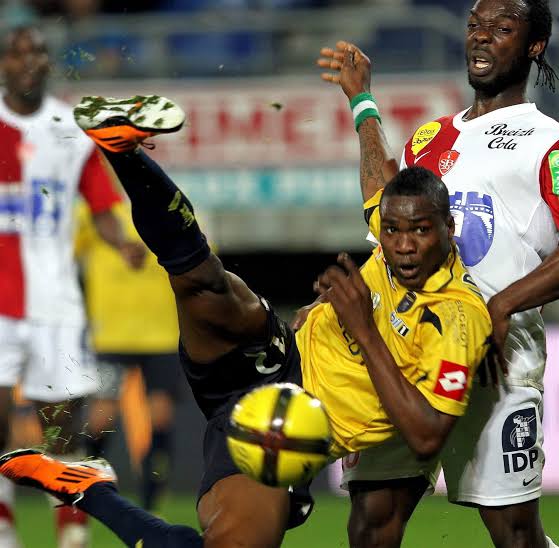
column 155, row 467
column 162, row 214
column 132, row 524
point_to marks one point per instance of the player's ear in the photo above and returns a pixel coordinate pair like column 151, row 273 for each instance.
column 535, row 49
column 451, row 227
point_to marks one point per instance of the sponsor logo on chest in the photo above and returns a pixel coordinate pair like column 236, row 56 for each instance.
column 403, row 306
column 423, row 136
column 505, row 138
column 399, row 325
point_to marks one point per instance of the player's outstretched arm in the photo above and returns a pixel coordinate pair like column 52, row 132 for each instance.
column 349, row 67
column 424, row 428
column 538, row 288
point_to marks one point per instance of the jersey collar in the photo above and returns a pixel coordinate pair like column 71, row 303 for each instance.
column 493, row 116
column 434, row 283
column 443, row 276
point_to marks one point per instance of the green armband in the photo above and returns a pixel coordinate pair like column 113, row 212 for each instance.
column 363, row 106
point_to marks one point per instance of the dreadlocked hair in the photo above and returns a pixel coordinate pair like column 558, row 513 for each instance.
column 541, row 20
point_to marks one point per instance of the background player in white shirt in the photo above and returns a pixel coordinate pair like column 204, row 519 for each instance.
column 45, row 160
column 500, row 161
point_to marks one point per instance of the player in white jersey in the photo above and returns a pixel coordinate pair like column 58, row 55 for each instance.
column 500, row 161
column 45, row 160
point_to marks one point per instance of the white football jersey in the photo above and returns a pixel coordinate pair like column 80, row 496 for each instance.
column 45, row 159
column 502, row 174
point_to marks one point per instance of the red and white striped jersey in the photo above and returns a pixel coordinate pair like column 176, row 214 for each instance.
column 502, row 174
column 45, row 160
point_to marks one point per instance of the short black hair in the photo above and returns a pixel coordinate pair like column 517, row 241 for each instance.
column 541, row 23
column 418, row 181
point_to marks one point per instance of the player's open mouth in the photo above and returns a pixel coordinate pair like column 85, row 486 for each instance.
column 408, row 271
column 480, row 64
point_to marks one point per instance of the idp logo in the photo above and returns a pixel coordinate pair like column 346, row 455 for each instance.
column 520, row 430
column 520, row 433
column 475, row 225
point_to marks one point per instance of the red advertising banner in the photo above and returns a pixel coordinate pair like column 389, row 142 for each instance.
column 281, row 122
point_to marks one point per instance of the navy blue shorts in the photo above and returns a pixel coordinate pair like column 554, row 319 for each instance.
column 217, row 386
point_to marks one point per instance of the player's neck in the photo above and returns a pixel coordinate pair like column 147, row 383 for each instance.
column 22, row 106
column 483, row 103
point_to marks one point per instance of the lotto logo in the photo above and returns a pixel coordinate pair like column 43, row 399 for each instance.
column 452, row 381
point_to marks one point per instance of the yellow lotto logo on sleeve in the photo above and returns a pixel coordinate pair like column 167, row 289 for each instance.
column 423, row 136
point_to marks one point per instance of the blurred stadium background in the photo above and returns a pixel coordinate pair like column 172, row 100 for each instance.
column 269, row 158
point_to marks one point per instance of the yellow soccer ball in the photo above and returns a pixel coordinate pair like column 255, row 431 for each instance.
column 279, row 435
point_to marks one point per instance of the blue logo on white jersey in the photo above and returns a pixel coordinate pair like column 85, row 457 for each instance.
column 475, row 225
column 47, row 203
column 11, row 208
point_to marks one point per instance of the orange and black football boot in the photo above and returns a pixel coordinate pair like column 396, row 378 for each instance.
column 119, row 125
column 65, row 481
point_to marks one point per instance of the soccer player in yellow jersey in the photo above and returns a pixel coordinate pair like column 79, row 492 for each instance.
column 507, row 210
column 429, row 326
column 391, row 350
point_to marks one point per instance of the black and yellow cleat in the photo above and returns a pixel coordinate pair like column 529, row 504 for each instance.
column 119, row 125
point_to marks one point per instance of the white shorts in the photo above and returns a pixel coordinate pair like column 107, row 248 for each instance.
column 494, row 454
column 393, row 459
column 51, row 361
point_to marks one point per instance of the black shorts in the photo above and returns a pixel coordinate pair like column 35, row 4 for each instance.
column 161, row 373
column 217, row 387
column 218, row 465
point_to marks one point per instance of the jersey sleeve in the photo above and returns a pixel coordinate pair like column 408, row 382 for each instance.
column 372, row 215
column 454, row 337
column 549, row 181
column 96, row 185
column 403, row 161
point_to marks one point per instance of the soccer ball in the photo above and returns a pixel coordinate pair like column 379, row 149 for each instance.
column 279, row 435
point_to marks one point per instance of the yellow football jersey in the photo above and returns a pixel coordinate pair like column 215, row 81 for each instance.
column 130, row 311
column 437, row 336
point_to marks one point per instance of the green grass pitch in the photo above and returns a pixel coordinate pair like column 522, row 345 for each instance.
column 435, row 524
